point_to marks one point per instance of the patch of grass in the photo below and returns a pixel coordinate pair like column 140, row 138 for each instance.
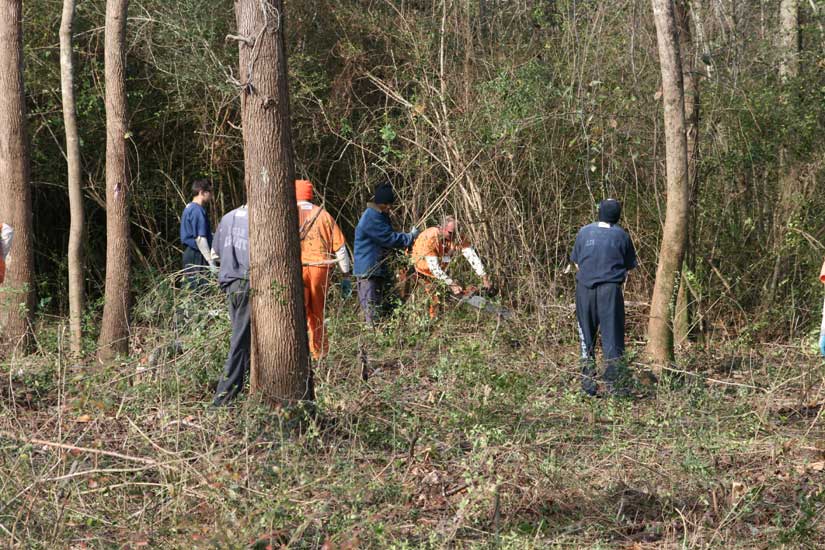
column 458, row 439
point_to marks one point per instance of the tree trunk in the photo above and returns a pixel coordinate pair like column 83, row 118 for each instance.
column 788, row 199
column 684, row 309
column 17, row 296
column 789, row 39
column 280, row 361
column 76, row 293
column 114, row 331
column 672, row 251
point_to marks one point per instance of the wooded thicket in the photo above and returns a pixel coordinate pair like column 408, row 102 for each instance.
column 522, row 114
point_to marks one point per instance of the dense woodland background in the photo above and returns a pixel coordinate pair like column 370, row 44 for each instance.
column 468, row 431
column 530, row 111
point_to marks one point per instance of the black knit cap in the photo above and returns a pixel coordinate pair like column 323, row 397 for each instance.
column 610, row 210
column 384, row 194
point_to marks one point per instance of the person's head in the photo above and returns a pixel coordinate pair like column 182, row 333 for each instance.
column 448, row 227
column 303, row 190
column 610, row 210
column 384, row 196
column 202, row 191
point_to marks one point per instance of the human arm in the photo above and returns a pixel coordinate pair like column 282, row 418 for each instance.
column 203, row 247
column 575, row 253
column 344, row 262
column 822, row 333
column 435, row 268
column 475, row 262
column 630, row 259
column 217, row 239
column 6, row 237
column 382, row 234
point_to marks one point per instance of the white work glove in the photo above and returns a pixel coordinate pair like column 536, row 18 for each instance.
column 415, row 232
column 213, row 269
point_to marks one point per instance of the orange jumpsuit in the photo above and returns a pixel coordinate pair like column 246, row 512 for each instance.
column 320, row 239
column 431, row 243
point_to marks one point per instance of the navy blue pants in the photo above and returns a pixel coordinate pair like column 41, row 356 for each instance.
column 600, row 308
column 194, row 268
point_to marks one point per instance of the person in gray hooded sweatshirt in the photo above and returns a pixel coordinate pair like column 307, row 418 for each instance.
column 230, row 245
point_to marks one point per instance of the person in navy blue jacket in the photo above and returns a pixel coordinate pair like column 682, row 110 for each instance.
column 374, row 238
column 603, row 254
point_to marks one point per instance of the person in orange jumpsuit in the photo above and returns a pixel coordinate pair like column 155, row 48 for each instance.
column 6, row 235
column 432, row 254
column 322, row 247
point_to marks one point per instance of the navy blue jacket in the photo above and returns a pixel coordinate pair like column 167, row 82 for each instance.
column 374, row 237
column 604, row 254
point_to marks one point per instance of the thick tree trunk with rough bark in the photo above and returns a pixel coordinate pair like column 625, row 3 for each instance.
column 280, row 361
column 17, row 292
column 75, row 253
column 672, row 251
column 684, row 308
column 114, row 330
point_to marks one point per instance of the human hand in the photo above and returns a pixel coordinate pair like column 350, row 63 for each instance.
column 415, row 232
column 486, row 284
column 456, row 289
column 213, row 269
column 346, row 288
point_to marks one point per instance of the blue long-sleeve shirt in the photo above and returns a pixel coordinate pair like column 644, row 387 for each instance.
column 194, row 223
column 374, row 237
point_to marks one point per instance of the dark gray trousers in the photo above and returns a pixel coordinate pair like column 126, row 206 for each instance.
column 600, row 308
column 237, row 362
column 372, row 297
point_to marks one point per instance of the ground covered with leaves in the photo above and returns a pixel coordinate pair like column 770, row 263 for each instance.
column 469, row 433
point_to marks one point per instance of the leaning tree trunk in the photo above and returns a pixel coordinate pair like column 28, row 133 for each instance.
column 114, row 330
column 280, row 362
column 684, row 308
column 76, row 294
column 17, row 293
column 672, row 251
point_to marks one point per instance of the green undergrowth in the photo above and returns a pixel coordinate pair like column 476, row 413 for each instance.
column 469, row 433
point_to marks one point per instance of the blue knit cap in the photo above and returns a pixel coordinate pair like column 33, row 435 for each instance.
column 384, row 194
column 610, row 210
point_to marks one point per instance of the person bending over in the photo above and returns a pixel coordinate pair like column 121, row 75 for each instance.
column 432, row 254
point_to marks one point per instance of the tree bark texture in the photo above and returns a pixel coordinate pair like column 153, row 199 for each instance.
column 674, row 235
column 790, row 195
column 17, row 293
column 114, row 330
column 280, row 361
column 684, row 308
column 789, row 39
column 75, row 253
